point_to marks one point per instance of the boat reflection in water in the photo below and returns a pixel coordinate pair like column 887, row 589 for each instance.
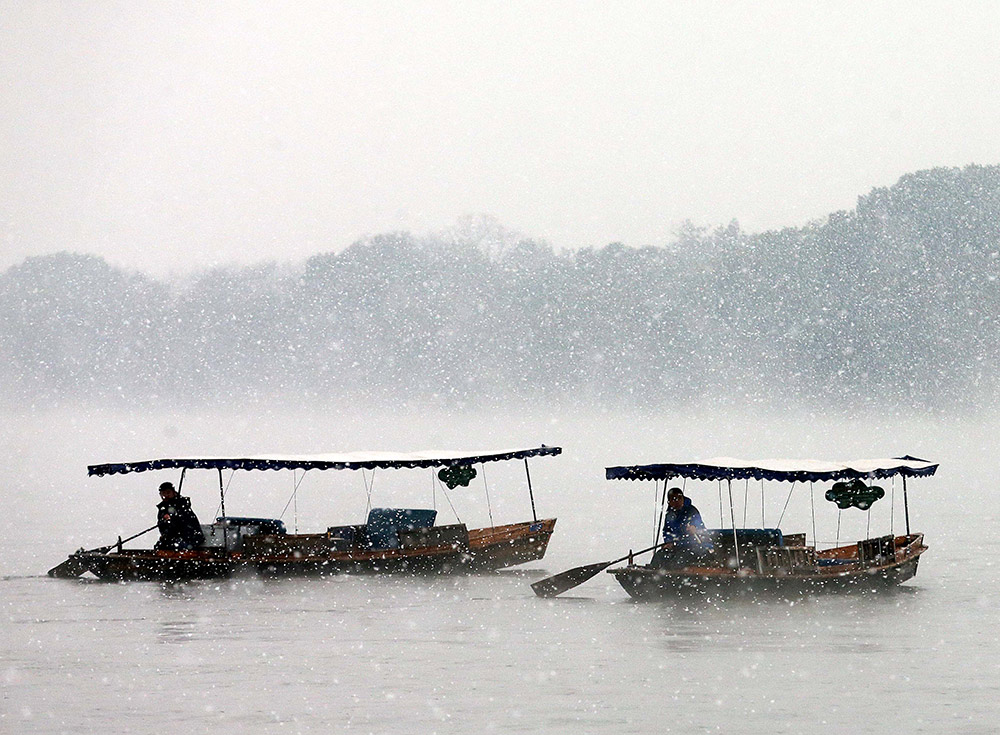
column 392, row 540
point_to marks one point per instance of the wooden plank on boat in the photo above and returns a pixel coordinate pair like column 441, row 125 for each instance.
column 456, row 536
column 877, row 551
column 305, row 544
column 786, row 559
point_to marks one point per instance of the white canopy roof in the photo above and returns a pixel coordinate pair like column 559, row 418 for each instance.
column 345, row 461
column 794, row 470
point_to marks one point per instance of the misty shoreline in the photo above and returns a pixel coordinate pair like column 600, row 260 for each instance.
column 893, row 306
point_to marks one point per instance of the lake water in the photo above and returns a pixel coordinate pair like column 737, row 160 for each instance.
column 480, row 652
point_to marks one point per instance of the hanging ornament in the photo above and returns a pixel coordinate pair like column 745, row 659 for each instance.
column 459, row 474
column 854, row 493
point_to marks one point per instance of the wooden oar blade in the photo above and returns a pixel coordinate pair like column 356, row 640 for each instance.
column 556, row 585
column 72, row 568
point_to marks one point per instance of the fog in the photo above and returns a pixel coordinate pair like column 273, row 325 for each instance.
column 643, row 233
column 445, row 654
column 53, row 507
column 175, row 136
column 891, row 305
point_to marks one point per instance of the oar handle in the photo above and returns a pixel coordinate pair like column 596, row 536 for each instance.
column 636, row 553
column 105, row 548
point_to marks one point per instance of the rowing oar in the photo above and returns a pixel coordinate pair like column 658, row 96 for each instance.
column 74, row 566
column 556, row 585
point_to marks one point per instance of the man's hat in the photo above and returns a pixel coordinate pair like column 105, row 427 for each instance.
column 166, row 486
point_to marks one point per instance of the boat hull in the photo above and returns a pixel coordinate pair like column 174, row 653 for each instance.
column 487, row 549
column 651, row 583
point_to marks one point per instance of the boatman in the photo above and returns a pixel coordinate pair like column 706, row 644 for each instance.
column 684, row 536
column 179, row 526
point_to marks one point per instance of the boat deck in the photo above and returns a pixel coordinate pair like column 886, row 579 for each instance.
column 879, row 562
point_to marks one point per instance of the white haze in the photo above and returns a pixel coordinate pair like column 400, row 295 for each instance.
column 178, row 135
column 355, row 654
column 46, row 486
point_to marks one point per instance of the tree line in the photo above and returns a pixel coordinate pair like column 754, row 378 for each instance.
column 893, row 304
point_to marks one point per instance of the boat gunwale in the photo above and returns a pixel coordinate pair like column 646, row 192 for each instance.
column 908, row 552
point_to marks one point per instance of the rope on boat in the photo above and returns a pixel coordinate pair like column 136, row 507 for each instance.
column 369, row 488
column 295, row 487
column 732, row 517
column 786, row 505
column 489, row 507
column 219, row 507
column 446, row 496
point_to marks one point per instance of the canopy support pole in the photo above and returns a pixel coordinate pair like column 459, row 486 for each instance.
column 656, row 511
column 906, row 507
column 222, row 506
column 222, row 494
column 531, row 494
column 732, row 517
column 812, row 509
column 746, row 499
column 180, row 483
column 663, row 512
column 892, row 508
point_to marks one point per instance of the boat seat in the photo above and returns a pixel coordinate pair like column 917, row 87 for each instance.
column 877, row 551
column 747, row 537
column 344, row 538
column 272, row 526
column 384, row 525
column 750, row 539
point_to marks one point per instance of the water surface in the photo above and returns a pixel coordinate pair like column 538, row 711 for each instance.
column 480, row 652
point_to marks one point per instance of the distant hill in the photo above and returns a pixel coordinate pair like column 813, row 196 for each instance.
column 894, row 304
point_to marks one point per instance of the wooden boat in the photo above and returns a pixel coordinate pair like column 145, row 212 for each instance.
column 766, row 560
column 393, row 540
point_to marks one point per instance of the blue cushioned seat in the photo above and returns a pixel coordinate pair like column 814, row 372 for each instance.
column 384, row 524
column 748, row 536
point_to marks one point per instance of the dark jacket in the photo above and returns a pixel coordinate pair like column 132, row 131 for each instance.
column 179, row 526
column 675, row 529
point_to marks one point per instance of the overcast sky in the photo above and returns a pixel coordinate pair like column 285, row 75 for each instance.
column 176, row 135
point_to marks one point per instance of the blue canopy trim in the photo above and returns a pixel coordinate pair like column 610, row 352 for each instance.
column 779, row 470
column 356, row 461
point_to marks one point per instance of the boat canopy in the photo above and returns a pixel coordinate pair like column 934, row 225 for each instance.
column 348, row 461
column 787, row 470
